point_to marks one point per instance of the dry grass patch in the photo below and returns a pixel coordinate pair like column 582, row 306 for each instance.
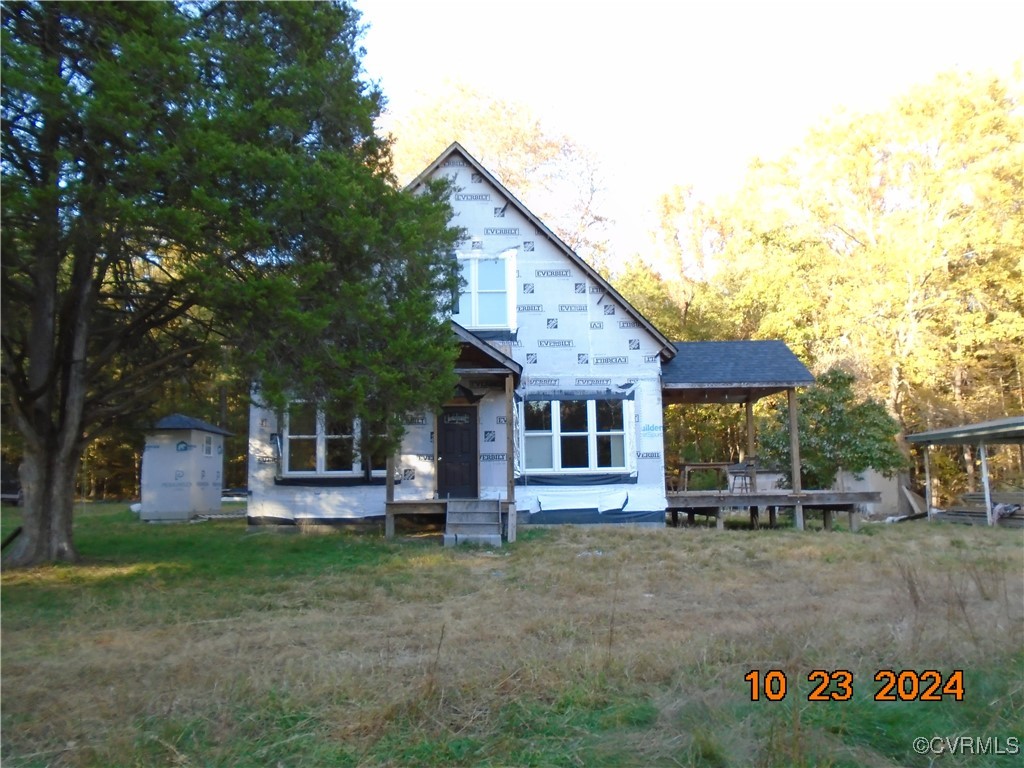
column 576, row 646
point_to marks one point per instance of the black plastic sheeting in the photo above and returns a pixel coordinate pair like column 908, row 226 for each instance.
column 600, row 478
column 590, row 517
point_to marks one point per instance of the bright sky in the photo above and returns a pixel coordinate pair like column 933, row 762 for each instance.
column 683, row 92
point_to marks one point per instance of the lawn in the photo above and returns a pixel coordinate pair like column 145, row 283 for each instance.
column 205, row 645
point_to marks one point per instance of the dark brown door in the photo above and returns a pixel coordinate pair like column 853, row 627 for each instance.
column 456, row 453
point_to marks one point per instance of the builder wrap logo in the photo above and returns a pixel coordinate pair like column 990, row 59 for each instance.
column 484, row 197
column 552, row 273
column 612, row 360
column 561, row 343
column 501, row 230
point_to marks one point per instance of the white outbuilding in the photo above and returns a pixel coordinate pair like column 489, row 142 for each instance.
column 182, row 469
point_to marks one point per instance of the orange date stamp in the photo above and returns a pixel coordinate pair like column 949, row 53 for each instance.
column 837, row 685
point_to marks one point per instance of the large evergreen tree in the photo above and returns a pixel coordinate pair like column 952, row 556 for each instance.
column 181, row 178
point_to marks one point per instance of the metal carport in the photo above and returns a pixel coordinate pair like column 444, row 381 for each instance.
column 999, row 431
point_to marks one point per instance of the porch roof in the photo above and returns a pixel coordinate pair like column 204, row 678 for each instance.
column 730, row 371
column 481, row 360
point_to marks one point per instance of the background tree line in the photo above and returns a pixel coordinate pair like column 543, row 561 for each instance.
column 888, row 245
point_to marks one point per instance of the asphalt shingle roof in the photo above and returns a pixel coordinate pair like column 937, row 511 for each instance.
column 178, row 421
column 742, row 363
column 730, row 371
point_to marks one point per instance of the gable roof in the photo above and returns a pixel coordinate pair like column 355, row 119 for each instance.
column 1010, row 430
column 667, row 349
column 731, row 371
column 479, row 357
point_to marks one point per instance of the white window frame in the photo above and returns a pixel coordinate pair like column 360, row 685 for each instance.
column 468, row 305
column 321, row 438
column 555, row 435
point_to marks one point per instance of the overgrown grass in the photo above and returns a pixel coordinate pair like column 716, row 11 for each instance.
column 204, row 645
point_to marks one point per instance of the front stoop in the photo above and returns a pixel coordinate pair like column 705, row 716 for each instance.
column 473, row 521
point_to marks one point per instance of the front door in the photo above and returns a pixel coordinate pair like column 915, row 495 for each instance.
column 456, row 453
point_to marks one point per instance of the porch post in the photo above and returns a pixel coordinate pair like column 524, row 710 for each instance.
column 510, row 454
column 389, row 497
column 794, row 449
column 750, row 444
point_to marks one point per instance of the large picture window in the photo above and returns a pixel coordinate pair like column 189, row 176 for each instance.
column 568, row 435
column 485, row 299
column 317, row 444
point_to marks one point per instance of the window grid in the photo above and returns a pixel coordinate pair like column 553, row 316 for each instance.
column 322, row 449
column 484, row 298
column 574, row 435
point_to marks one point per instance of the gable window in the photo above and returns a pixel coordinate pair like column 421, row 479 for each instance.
column 568, row 435
column 317, row 444
column 485, row 298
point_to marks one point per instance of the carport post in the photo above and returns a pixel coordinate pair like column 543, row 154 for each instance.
column 985, row 485
column 927, row 482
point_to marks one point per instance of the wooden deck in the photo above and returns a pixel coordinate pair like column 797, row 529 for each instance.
column 712, row 503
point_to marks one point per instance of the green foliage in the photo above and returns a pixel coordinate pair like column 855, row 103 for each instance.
column 189, row 185
column 890, row 244
column 837, row 431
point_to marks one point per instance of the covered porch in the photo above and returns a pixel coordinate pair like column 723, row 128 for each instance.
column 741, row 373
column 457, row 499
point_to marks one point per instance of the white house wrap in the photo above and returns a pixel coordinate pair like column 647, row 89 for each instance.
column 586, row 444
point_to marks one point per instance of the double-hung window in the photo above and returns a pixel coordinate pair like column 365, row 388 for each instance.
column 317, row 444
column 486, row 295
column 574, row 435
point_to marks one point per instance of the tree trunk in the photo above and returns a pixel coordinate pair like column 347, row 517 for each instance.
column 48, row 485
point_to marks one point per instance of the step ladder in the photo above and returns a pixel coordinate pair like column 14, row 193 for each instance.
column 473, row 521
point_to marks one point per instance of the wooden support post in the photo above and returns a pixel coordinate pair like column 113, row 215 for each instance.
column 826, row 519
column 794, row 449
column 719, row 519
column 927, row 483
column 853, row 518
column 751, row 449
column 986, row 485
column 772, row 516
column 389, row 497
column 510, row 457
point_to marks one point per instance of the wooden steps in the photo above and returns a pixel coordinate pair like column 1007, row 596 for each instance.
column 476, row 521
column 971, row 509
